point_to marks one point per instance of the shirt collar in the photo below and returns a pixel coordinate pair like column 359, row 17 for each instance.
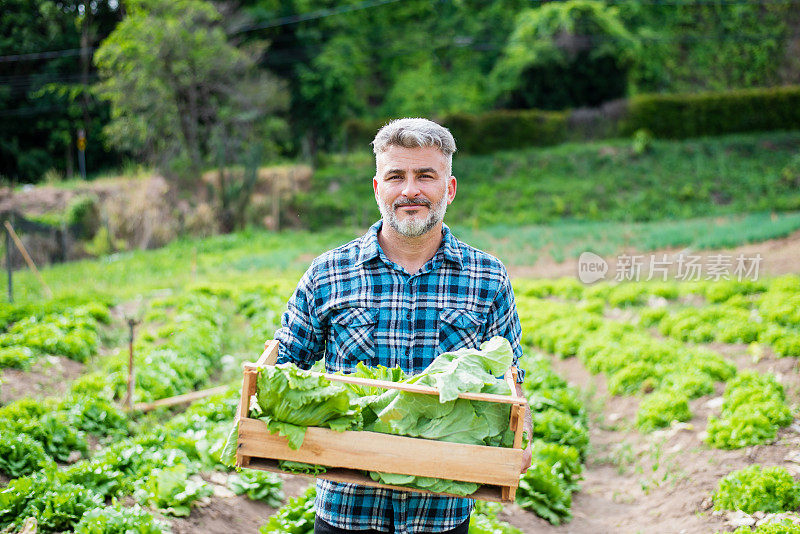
column 370, row 248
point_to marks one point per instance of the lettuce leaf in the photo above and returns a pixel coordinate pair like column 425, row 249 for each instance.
column 292, row 399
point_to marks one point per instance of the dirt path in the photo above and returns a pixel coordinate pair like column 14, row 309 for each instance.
column 779, row 256
column 661, row 482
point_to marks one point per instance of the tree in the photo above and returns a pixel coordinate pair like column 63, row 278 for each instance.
column 565, row 54
column 43, row 97
column 186, row 98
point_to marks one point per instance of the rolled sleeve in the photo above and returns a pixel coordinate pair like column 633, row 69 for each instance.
column 301, row 337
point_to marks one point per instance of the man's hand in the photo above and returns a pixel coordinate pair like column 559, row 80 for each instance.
column 526, row 459
column 528, row 426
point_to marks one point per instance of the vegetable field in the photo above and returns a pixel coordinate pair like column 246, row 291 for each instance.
column 656, row 406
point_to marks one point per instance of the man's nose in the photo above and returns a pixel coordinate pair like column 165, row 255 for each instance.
column 411, row 189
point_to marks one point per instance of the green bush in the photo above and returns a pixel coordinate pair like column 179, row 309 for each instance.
column 542, row 492
column 21, row 455
column 296, row 517
column 83, row 214
column 15, row 358
column 484, row 520
column 258, row 486
column 783, row 527
column 681, row 116
column 752, row 489
column 506, row 130
column 661, row 408
column 753, row 409
column 118, row 520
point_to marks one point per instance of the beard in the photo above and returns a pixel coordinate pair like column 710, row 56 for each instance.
column 414, row 225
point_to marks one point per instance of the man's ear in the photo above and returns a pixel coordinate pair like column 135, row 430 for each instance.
column 452, row 185
column 375, row 186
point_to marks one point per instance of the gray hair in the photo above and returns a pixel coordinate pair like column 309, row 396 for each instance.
column 413, row 133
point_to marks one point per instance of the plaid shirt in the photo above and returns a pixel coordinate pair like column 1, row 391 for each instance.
column 354, row 304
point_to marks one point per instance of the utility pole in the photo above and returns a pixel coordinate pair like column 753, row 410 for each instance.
column 82, row 152
column 86, row 24
column 9, row 266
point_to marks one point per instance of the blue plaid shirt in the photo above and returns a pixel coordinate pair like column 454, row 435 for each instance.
column 354, row 304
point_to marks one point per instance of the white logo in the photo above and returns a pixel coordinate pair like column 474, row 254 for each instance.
column 591, row 267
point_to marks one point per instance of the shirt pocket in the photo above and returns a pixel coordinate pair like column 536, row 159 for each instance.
column 459, row 329
column 353, row 337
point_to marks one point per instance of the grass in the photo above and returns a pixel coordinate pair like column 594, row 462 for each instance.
column 596, row 181
column 257, row 256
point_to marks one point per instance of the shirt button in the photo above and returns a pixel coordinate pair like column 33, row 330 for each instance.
column 408, row 351
column 408, row 315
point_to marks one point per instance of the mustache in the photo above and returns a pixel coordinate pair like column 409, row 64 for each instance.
column 408, row 202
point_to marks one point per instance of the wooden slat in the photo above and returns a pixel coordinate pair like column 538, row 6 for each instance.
column 487, row 492
column 270, row 354
column 178, row 399
column 372, row 451
column 413, row 388
column 248, row 383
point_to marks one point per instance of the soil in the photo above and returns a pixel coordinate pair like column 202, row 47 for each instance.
column 226, row 513
column 663, row 481
column 49, row 377
column 779, row 256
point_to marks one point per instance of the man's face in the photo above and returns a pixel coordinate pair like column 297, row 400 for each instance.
column 413, row 187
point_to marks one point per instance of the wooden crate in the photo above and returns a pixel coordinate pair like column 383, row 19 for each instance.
column 347, row 454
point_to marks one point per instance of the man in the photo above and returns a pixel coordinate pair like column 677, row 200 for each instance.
column 402, row 294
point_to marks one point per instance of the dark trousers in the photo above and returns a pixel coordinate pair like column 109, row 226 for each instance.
column 321, row 527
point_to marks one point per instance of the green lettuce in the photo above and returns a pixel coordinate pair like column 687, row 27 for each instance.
column 292, row 400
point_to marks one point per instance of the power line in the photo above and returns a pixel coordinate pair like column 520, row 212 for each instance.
column 54, row 54
column 323, row 13
column 283, row 21
column 319, row 14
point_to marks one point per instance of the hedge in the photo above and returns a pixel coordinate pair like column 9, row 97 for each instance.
column 683, row 116
column 677, row 116
column 483, row 133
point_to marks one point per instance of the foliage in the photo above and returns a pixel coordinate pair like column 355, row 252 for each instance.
column 53, row 430
column 21, row 455
column 565, row 54
column 118, row 520
column 172, row 490
column 185, row 97
column 258, row 486
column 694, row 115
column 573, row 182
column 292, row 400
column 484, row 520
column 753, row 409
column 97, row 416
column 775, row 527
column 491, row 131
column 660, row 409
column 542, row 492
column 43, row 102
column 15, row 357
column 296, row 517
column 83, row 214
column 57, row 507
column 752, row 489
column 555, row 426
column 696, row 46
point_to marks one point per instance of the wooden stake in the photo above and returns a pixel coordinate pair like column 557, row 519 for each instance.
column 186, row 398
column 27, row 257
column 131, row 373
